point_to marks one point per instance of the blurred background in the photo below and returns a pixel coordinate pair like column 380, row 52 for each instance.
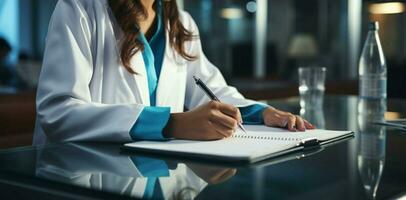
column 257, row 44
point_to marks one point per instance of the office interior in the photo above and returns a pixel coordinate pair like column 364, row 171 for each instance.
column 257, row 45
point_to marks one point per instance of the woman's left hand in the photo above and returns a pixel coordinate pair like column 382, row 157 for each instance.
column 275, row 117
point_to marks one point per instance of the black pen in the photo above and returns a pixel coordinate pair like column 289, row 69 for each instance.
column 212, row 96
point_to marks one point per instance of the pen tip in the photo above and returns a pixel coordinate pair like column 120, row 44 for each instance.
column 242, row 128
column 194, row 77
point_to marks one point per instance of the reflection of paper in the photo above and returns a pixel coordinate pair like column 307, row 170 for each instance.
column 403, row 121
column 396, row 124
column 259, row 141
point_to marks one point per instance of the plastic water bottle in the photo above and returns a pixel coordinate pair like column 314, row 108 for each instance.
column 372, row 66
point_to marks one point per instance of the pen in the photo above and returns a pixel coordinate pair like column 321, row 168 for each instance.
column 212, row 96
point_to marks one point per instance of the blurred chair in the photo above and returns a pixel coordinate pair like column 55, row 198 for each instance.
column 28, row 70
column 5, row 69
column 10, row 81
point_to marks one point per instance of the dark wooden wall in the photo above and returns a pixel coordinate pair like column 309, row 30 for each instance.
column 17, row 118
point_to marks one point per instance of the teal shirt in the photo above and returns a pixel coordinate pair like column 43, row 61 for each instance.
column 153, row 119
column 152, row 169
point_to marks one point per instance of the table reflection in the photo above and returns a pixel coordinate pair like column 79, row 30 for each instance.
column 102, row 167
column 315, row 116
column 311, row 109
column 371, row 144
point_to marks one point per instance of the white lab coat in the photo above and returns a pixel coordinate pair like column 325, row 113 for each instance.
column 84, row 92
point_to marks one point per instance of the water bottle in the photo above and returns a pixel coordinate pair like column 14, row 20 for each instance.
column 371, row 144
column 372, row 66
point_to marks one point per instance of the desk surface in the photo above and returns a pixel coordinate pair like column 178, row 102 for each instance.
column 370, row 165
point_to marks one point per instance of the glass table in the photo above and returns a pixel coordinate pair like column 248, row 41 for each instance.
column 369, row 166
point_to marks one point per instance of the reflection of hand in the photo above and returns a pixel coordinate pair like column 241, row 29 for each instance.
column 211, row 121
column 212, row 175
column 275, row 117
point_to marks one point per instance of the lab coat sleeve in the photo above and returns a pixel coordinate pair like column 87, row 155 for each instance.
column 253, row 114
column 64, row 107
column 151, row 123
column 208, row 73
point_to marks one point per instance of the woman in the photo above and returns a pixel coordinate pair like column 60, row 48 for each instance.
column 121, row 70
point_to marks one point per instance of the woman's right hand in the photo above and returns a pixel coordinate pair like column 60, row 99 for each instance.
column 211, row 121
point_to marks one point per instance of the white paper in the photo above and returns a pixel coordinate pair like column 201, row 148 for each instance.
column 320, row 134
column 241, row 147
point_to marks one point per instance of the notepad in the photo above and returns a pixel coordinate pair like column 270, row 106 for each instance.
column 259, row 143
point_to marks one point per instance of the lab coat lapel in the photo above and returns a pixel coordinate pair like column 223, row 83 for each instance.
column 136, row 62
column 168, row 71
column 138, row 65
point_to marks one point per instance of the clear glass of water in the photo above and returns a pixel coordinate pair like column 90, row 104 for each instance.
column 311, row 86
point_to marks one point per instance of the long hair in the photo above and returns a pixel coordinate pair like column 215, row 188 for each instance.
column 129, row 13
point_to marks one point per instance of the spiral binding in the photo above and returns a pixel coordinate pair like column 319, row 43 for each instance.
column 266, row 138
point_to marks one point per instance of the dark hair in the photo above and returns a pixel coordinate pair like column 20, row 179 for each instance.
column 129, row 12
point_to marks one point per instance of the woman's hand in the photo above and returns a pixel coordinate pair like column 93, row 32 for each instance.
column 212, row 174
column 211, row 121
column 275, row 117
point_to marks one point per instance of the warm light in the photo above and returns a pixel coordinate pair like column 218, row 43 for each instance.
column 303, row 46
column 392, row 115
column 387, row 8
column 231, row 13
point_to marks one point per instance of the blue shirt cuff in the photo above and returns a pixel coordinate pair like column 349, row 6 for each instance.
column 150, row 123
column 253, row 114
column 149, row 167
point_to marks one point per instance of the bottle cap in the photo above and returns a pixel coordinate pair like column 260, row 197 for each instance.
column 373, row 26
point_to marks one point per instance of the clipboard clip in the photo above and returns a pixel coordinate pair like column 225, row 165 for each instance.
column 310, row 143
column 309, row 152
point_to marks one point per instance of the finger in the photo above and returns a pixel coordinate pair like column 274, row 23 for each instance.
column 239, row 116
column 219, row 135
column 230, row 110
column 222, row 176
column 308, row 125
column 227, row 121
column 214, row 133
column 291, row 123
column 300, row 123
column 223, row 130
column 210, row 133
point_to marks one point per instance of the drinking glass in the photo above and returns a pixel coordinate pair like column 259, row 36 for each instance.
column 311, row 86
